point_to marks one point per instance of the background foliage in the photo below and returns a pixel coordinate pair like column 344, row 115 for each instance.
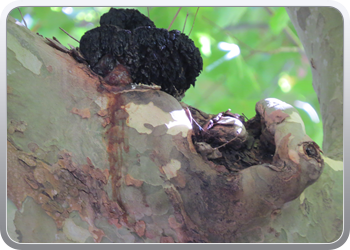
column 270, row 63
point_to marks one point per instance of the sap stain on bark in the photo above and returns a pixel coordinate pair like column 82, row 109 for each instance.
column 117, row 140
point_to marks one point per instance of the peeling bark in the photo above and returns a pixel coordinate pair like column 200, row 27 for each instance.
column 104, row 165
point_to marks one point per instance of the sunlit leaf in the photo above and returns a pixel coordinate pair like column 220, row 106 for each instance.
column 279, row 20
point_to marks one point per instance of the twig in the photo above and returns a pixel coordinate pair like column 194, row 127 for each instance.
column 269, row 10
column 69, row 35
column 254, row 51
column 148, row 12
column 245, row 116
column 185, row 23
column 286, row 30
column 174, row 18
column 223, row 145
column 22, row 18
column 193, row 22
column 226, row 32
column 57, row 45
column 279, row 50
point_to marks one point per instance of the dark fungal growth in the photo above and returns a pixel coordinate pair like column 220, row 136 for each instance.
column 150, row 55
column 127, row 19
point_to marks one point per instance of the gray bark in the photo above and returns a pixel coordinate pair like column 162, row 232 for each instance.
column 317, row 216
column 321, row 31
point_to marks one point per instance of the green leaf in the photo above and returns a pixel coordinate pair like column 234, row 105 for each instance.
column 279, row 20
column 228, row 15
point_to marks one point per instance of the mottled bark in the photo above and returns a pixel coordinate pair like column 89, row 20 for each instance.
column 317, row 216
column 88, row 164
column 321, row 31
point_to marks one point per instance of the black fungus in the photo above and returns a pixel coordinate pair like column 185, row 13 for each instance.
column 127, row 19
column 152, row 56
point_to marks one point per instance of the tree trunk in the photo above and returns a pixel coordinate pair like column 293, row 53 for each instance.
column 321, row 30
column 318, row 215
column 88, row 163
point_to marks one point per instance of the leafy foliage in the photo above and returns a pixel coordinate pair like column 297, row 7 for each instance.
column 271, row 62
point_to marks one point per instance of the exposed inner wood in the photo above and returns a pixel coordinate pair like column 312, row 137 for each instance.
column 237, row 154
